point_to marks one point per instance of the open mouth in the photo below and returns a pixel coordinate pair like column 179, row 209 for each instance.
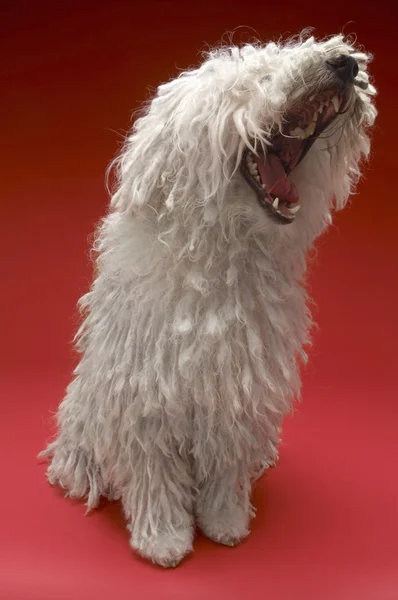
column 268, row 174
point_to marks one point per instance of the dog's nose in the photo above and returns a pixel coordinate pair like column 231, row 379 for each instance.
column 345, row 67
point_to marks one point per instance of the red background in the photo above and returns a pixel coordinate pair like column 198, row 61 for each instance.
column 327, row 524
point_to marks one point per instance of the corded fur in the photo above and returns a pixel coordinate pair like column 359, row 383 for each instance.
column 197, row 318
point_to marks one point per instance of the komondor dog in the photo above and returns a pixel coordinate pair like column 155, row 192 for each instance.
column 196, row 323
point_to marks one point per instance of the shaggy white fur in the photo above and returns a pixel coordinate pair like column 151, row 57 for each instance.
column 197, row 316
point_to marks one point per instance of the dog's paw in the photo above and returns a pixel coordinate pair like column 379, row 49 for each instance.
column 227, row 526
column 164, row 549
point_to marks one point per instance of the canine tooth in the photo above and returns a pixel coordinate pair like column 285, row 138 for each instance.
column 295, row 209
column 311, row 128
column 315, row 116
column 275, row 203
column 336, row 103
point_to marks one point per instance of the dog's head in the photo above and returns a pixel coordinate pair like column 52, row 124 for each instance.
column 284, row 123
column 319, row 105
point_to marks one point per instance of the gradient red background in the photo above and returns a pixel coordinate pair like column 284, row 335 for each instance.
column 327, row 524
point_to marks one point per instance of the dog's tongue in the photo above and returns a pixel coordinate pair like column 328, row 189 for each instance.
column 275, row 179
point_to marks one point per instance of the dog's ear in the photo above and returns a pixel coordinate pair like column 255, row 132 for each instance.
column 191, row 134
column 190, row 141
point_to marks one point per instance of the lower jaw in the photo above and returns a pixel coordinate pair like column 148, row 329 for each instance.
column 280, row 212
column 276, row 215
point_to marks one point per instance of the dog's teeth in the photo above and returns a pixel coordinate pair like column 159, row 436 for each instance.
column 298, row 132
column 275, row 203
column 315, row 116
column 263, row 186
column 257, row 178
column 295, row 209
column 311, row 128
column 336, row 103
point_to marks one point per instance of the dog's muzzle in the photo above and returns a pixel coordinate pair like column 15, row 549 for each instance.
column 306, row 119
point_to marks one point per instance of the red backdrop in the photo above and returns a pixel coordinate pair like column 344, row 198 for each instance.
column 327, row 524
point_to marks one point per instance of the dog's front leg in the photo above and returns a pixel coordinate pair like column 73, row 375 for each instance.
column 158, row 505
column 223, row 509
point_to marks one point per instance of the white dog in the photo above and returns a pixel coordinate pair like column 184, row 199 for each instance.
column 197, row 317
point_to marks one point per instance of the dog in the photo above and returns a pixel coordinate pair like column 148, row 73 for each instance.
column 196, row 325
